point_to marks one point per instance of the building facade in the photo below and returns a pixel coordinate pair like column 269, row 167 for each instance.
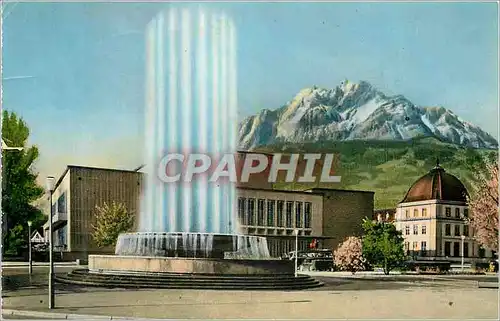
column 76, row 194
column 327, row 215
column 433, row 219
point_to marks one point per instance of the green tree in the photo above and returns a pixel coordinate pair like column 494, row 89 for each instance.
column 111, row 221
column 19, row 186
column 383, row 245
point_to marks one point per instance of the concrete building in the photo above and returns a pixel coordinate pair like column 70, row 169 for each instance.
column 76, row 194
column 327, row 215
column 432, row 217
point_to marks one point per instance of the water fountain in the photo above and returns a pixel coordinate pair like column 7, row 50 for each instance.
column 188, row 233
column 195, row 245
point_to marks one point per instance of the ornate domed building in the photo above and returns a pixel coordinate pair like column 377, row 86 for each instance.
column 432, row 217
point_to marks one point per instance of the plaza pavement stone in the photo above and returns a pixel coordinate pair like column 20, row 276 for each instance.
column 341, row 297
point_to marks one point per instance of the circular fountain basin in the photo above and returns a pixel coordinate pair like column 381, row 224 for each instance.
column 144, row 265
column 190, row 253
column 192, row 245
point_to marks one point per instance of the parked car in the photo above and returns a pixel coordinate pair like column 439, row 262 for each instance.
column 312, row 260
column 494, row 266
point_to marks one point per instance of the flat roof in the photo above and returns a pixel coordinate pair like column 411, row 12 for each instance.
column 309, row 191
column 69, row 167
column 325, row 190
column 277, row 190
column 60, row 180
column 104, row 169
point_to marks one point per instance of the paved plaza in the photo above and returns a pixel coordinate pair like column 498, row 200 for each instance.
column 361, row 297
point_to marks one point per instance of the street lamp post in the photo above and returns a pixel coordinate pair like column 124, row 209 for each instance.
column 30, row 262
column 50, row 189
column 463, row 238
column 296, row 250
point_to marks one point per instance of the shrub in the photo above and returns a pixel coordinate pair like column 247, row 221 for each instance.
column 111, row 220
column 349, row 255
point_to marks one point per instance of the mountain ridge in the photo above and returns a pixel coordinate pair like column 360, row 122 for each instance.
column 356, row 111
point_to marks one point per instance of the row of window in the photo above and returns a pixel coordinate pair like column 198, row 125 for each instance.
column 423, row 213
column 455, row 251
column 423, row 246
column 61, row 235
column 456, row 230
column 416, row 213
column 451, row 249
column 448, row 250
column 447, row 211
column 447, row 230
column 60, row 206
column 279, row 213
column 280, row 247
column 415, row 229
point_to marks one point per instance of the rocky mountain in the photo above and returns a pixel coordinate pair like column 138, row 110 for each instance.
column 356, row 111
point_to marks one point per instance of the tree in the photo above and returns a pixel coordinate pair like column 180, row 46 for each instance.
column 349, row 255
column 383, row 245
column 476, row 164
column 483, row 206
column 111, row 221
column 19, row 186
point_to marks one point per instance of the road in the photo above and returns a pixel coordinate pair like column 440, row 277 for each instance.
column 343, row 296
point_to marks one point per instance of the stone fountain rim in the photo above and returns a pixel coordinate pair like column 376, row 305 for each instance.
column 183, row 258
column 195, row 233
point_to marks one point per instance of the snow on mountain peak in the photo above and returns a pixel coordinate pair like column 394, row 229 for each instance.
column 356, row 111
column 348, row 86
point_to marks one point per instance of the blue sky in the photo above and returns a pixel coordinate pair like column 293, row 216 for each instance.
column 75, row 71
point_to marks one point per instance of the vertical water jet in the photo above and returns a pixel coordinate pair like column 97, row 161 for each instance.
column 191, row 107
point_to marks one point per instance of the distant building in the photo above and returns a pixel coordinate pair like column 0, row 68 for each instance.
column 325, row 215
column 384, row 215
column 36, row 238
column 432, row 217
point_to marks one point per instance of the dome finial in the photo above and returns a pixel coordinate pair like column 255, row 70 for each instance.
column 438, row 165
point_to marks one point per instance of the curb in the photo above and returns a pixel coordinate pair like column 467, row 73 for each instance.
column 487, row 285
column 66, row 316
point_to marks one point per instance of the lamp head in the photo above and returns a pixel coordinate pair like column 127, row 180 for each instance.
column 296, row 232
column 50, row 182
column 29, row 223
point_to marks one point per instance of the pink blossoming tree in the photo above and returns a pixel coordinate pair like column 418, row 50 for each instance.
column 483, row 205
column 349, row 255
